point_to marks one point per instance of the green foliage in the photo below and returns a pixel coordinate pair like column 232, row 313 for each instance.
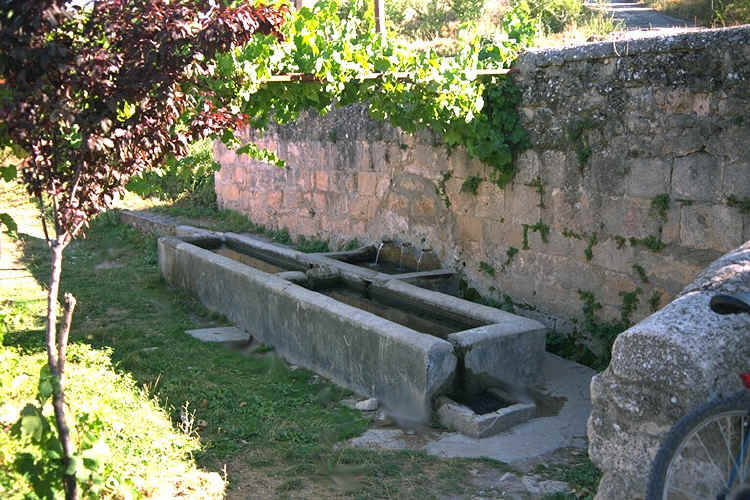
column 10, row 225
column 539, row 185
column 540, row 227
column 441, row 188
column 351, row 245
column 191, row 176
column 654, row 301
column 582, row 476
column 555, row 15
column 569, row 233
column 601, row 334
column 281, row 236
column 429, row 18
column 509, row 255
column 653, row 243
column 589, row 250
column 487, row 268
column 641, row 272
column 41, row 461
column 441, row 94
column 311, row 245
column 659, row 207
column 471, row 184
column 743, row 204
column 579, row 140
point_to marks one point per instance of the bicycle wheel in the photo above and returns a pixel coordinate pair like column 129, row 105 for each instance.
column 706, row 455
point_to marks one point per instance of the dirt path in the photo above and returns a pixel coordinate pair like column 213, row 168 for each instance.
column 637, row 16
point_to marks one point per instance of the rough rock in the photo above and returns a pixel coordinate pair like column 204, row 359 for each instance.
column 661, row 369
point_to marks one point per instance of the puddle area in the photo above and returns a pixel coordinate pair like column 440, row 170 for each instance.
column 432, row 324
column 249, row 260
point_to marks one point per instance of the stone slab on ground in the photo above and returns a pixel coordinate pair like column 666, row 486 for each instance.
column 566, row 386
column 219, row 334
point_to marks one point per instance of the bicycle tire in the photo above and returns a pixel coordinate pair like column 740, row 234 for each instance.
column 691, row 425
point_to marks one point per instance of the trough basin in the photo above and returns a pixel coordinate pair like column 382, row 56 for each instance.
column 365, row 330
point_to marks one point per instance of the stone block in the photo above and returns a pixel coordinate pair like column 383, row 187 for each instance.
column 490, row 201
column 367, row 183
column 290, row 198
column 610, row 255
column 554, row 169
column 726, row 228
column 319, row 202
column 469, row 228
column 362, row 208
column 498, row 236
column 383, row 185
column 461, row 165
column 628, row 217
column 529, row 167
column 273, row 200
column 398, row 204
column 424, row 207
column 522, row 204
column 696, row 226
column 321, row 180
column 649, row 177
column 696, row 177
column 737, row 179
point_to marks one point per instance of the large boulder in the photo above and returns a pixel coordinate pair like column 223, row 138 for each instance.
column 661, row 369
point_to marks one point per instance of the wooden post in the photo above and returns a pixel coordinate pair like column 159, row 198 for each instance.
column 379, row 17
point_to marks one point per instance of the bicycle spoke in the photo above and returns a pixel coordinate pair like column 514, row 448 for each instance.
column 708, row 453
column 743, row 451
column 686, row 494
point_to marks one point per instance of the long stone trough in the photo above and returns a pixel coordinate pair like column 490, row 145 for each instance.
column 405, row 369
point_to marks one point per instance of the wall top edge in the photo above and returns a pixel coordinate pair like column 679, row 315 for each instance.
column 734, row 37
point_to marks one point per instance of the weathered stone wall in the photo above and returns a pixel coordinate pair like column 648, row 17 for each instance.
column 613, row 126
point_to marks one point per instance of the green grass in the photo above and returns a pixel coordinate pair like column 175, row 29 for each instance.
column 180, row 414
column 177, row 411
column 582, row 476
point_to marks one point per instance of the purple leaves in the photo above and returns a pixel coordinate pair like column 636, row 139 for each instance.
column 97, row 99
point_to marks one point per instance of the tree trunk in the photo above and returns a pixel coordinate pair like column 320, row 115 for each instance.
column 56, row 361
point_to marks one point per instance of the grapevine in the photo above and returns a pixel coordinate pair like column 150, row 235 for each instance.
column 442, row 94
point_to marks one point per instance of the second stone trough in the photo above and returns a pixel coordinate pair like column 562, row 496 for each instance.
column 407, row 368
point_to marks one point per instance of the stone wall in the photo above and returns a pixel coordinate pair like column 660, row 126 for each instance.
column 614, row 128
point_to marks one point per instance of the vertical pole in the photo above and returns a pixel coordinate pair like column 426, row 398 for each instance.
column 379, row 17
column 297, row 4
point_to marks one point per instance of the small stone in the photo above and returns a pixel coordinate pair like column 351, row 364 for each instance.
column 370, row 404
column 350, row 403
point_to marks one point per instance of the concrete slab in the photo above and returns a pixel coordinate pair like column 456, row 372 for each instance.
column 564, row 410
column 219, row 334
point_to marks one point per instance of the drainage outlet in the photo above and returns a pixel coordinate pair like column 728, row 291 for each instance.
column 486, row 414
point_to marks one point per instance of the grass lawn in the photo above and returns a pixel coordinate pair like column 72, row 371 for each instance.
column 179, row 417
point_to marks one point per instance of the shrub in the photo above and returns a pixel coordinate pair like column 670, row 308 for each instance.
column 191, row 176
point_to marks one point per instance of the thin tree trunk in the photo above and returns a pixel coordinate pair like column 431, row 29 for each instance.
column 56, row 360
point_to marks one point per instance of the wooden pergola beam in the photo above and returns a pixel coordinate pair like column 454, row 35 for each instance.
column 307, row 77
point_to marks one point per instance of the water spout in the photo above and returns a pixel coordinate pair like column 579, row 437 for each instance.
column 419, row 259
column 401, row 254
column 377, row 254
